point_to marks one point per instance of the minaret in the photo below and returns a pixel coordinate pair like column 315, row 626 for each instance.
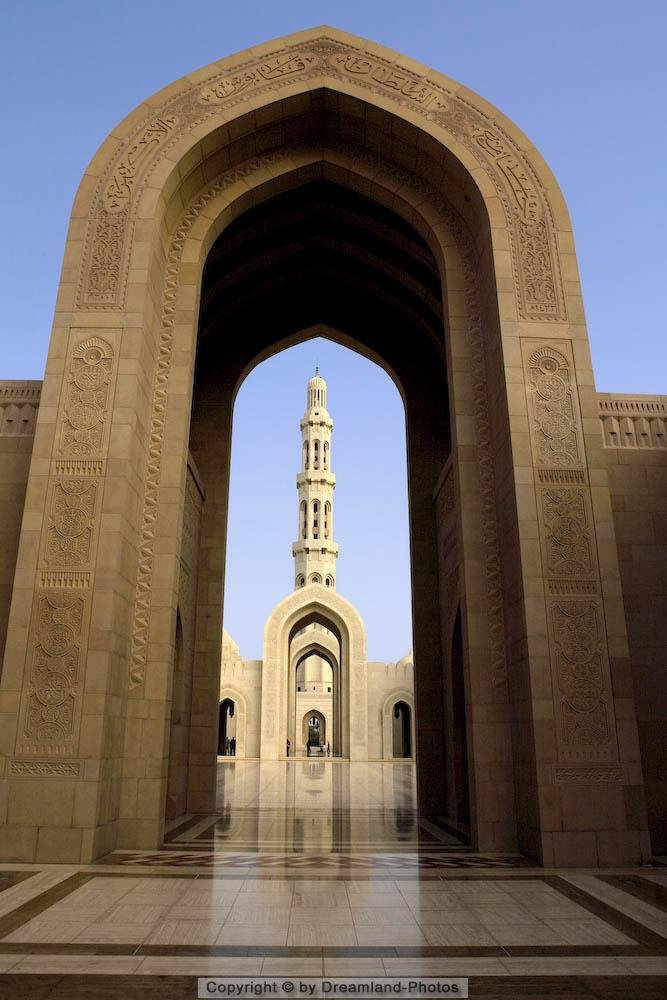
column 315, row 552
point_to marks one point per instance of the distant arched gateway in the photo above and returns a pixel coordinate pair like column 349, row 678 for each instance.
column 319, row 186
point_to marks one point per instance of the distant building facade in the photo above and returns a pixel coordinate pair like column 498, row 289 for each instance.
column 315, row 720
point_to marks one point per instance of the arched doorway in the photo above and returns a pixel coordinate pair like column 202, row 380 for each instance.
column 317, row 679
column 401, row 730
column 227, row 729
column 314, row 680
column 276, row 209
column 314, row 730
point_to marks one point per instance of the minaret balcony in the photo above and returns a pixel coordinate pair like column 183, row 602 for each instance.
column 315, row 419
column 312, row 476
column 321, row 545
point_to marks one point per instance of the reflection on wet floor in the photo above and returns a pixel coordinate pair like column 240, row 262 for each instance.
column 314, row 805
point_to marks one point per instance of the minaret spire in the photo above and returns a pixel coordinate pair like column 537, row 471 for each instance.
column 315, row 552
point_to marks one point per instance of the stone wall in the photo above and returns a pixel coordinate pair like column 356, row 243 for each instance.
column 633, row 431
column 18, row 411
column 388, row 683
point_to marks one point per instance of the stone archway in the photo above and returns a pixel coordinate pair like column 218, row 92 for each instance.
column 519, row 490
column 308, row 604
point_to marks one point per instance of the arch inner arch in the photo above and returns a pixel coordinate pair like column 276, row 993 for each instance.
column 323, row 259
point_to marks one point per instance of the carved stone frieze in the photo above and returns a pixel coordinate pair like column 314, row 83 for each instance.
column 78, row 467
column 535, row 256
column 118, row 190
column 73, row 579
column 382, row 74
column 572, row 586
column 587, row 775
column 45, row 768
column 554, row 409
column 275, row 68
column 87, row 401
column 50, row 706
column 584, row 698
column 71, row 517
column 561, row 476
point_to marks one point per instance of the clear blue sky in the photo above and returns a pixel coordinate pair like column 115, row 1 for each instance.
column 370, row 502
column 585, row 79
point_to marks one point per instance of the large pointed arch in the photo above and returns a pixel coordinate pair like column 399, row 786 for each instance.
column 521, row 422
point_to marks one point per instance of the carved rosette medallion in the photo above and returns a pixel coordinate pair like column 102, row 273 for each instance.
column 584, row 693
column 49, row 713
column 87, row 399
column 535, row 256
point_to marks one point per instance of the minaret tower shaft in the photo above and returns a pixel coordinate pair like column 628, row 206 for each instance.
column 315, row 552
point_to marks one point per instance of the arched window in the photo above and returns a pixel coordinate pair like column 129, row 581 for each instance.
column 306, row 451
column 327, row 518
column 226, row 730
column 401, row 730
column 329, row 581
column 316, row 578
column 304, row 519
column 301, row 581
column 316, row 519
column 316, row 454
column 325, row 455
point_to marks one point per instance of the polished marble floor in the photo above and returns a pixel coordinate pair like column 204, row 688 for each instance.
column 325, row 868
column 313, row 805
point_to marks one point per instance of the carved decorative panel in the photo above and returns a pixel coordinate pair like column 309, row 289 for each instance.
column 584, row 695
column 570, row 547
column 53, row 696
column 584, row 708
column 554, row 409
column 52, row 700
column 87, row 399
column 71, row 516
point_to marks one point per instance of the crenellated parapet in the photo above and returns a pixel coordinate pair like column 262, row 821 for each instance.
column 19, row 402
column 633, row 421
